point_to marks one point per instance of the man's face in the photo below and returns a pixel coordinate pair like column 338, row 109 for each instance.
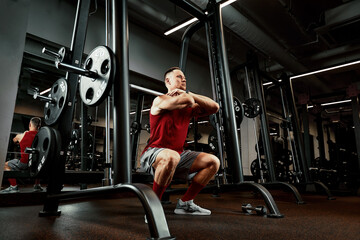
column 176, row 79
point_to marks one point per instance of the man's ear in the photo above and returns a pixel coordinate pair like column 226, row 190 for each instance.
column 167, row 81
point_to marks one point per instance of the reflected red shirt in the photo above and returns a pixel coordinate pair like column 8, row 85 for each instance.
column 25, row 142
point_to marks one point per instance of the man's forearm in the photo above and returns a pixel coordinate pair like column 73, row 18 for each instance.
column 200, row 99
column 205, row 102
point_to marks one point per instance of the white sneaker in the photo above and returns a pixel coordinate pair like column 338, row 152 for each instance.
column 190, row 208
column 11, row 189
column 38, row 188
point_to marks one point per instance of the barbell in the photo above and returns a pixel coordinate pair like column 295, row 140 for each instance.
column 96, row 75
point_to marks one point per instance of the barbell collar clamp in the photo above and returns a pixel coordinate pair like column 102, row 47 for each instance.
column 77, row 70
column 51, row 53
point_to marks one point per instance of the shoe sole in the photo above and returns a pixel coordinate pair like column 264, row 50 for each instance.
column 183, row 212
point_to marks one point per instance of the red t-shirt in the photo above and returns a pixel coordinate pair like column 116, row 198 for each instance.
column 25, row 142
column 169, row 129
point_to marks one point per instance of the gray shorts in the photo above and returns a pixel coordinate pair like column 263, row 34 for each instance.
column 187, row 158
column 16, row 165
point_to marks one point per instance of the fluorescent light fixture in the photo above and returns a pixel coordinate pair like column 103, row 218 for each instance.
column 325, row 70
column 45, row 91
column 174, row 29
column 180, row 26
column 338, row 102
column 267, row 83
column 331, row 103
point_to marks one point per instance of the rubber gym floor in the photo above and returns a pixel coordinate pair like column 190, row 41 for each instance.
column 121, row 216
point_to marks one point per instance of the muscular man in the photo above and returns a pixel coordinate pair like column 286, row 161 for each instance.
column 25, row 140
column 164, row 156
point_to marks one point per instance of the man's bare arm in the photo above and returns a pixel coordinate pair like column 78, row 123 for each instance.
column 18, row 137
column 177, row 99
column 206, row 106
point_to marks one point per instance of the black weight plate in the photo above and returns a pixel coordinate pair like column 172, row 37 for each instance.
column 212, row 119
column 56, row 167
column 252, row 107
column 44, row 145
column 213, row 141
column 255, row 171
column 59, row 92
column 239, row 112
column 102, row 61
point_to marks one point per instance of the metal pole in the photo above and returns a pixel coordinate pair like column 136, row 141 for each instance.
column 296, row 127
column 305, row 118
column 121, row 97
column 135, row 137
column 265, row 133
column 107, row 181
column 222, row 75
column 83, row 134
column 185, row 40
column 356, row 110
column 146, row 90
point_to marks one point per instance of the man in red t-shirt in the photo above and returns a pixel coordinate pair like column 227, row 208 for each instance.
column 25, row 140
column 164, row 156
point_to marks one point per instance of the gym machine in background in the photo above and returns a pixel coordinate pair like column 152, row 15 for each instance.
column 262, row 169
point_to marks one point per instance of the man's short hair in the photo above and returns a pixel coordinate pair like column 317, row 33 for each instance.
column 170, row 70
column 36, row 122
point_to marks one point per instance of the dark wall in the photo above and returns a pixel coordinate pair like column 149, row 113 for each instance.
column 13, row 19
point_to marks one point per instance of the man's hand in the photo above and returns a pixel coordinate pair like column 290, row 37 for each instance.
column 176, row 92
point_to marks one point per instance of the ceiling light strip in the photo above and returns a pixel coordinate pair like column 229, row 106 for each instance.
column 325, row 70
column 182, row 25
column 331, row 103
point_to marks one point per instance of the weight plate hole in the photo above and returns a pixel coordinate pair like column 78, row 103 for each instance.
column 89, row 94
column 105, row 66
column 48, row 112
column 55, row 89
column 88, row 64
column 61, row 102
column 45, row 144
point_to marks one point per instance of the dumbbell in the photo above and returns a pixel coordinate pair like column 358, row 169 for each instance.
column 248, row 208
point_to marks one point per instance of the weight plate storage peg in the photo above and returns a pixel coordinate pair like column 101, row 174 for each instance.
column 239, row 112
column 252, row 107
column 213, row 141
column 93, row 91
column 43, row 146
column 59, row 94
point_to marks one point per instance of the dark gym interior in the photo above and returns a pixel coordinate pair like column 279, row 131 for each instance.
column 285, row 73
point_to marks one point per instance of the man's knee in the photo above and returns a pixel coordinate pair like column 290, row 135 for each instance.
column 6, row 167
column 213, row 162
column 168, row 160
